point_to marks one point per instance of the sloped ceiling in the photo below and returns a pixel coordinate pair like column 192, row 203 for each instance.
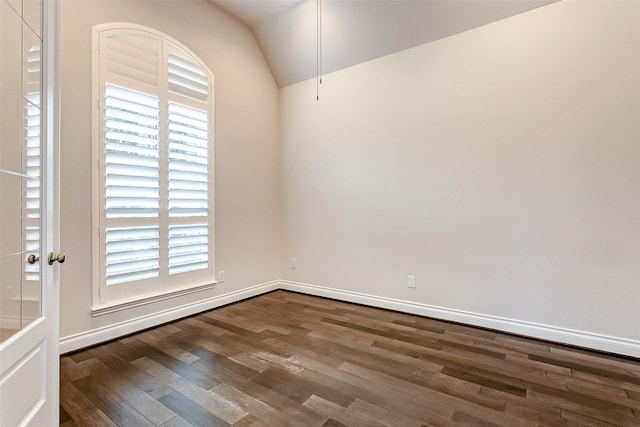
column 355, row 31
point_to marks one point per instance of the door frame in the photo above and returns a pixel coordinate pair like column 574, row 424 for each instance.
column 51, row 200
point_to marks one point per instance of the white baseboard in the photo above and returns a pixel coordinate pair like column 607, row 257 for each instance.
column 95, row 336
column 15, row 322
column 10, row 322
column 590, row 340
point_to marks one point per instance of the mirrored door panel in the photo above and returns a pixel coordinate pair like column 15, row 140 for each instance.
column 20, row 168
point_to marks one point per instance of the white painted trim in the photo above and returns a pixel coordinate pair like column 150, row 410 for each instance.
column 106, row 333
column 590, row 340
column 104, row 296
column 137, row 302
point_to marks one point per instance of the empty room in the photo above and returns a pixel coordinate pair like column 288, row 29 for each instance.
column 319, row 213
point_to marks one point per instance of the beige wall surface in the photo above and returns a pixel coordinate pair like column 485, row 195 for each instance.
column 246, row 151
column 500, row 166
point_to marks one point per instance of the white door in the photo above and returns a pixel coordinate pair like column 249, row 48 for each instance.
column 28, row 214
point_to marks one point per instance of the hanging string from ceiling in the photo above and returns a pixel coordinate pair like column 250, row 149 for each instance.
column 318, row 47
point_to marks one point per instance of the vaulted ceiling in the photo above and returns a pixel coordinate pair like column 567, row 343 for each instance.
column 354, row 31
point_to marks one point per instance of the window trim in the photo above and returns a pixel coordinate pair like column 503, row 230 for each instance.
column 104, row 305
column 121, row 305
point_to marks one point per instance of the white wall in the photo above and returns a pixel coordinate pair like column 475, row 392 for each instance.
column 247, row 159
column 501, row 166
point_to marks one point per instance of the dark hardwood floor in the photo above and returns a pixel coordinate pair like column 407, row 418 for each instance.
column 286, row 359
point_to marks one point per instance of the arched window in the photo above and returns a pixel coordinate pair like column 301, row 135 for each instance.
column 153, row 185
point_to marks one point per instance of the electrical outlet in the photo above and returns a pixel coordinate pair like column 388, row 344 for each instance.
column 411, row 282
column 220, row 276
column 293, row 264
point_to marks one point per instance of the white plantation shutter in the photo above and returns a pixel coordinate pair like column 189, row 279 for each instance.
column 188, row 248
column 155, row 178
column 188, row 188
column 31, row 159
column 132, row 185
column 132, row 154
column 132, row 254
column 187, row 79
column 31, row 189
column 188, row 160
column 131, row 56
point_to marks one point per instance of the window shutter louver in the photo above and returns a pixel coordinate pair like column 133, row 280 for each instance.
column 32, row 188
column 32, row 83
column 188, row 187
column 134, row 57
column 188, row 184
column 132, row 254
column 132, row 161
column 188, row 248
column 132, row 184
column 187, row 79
column 188, row 161
column 31, row 158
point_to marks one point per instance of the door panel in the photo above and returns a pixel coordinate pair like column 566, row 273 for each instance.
column 28, row 214
column 28, row 369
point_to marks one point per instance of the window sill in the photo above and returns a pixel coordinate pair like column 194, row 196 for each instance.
column 101, row 310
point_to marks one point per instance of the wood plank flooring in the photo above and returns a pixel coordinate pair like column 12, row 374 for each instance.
column 286, row 359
